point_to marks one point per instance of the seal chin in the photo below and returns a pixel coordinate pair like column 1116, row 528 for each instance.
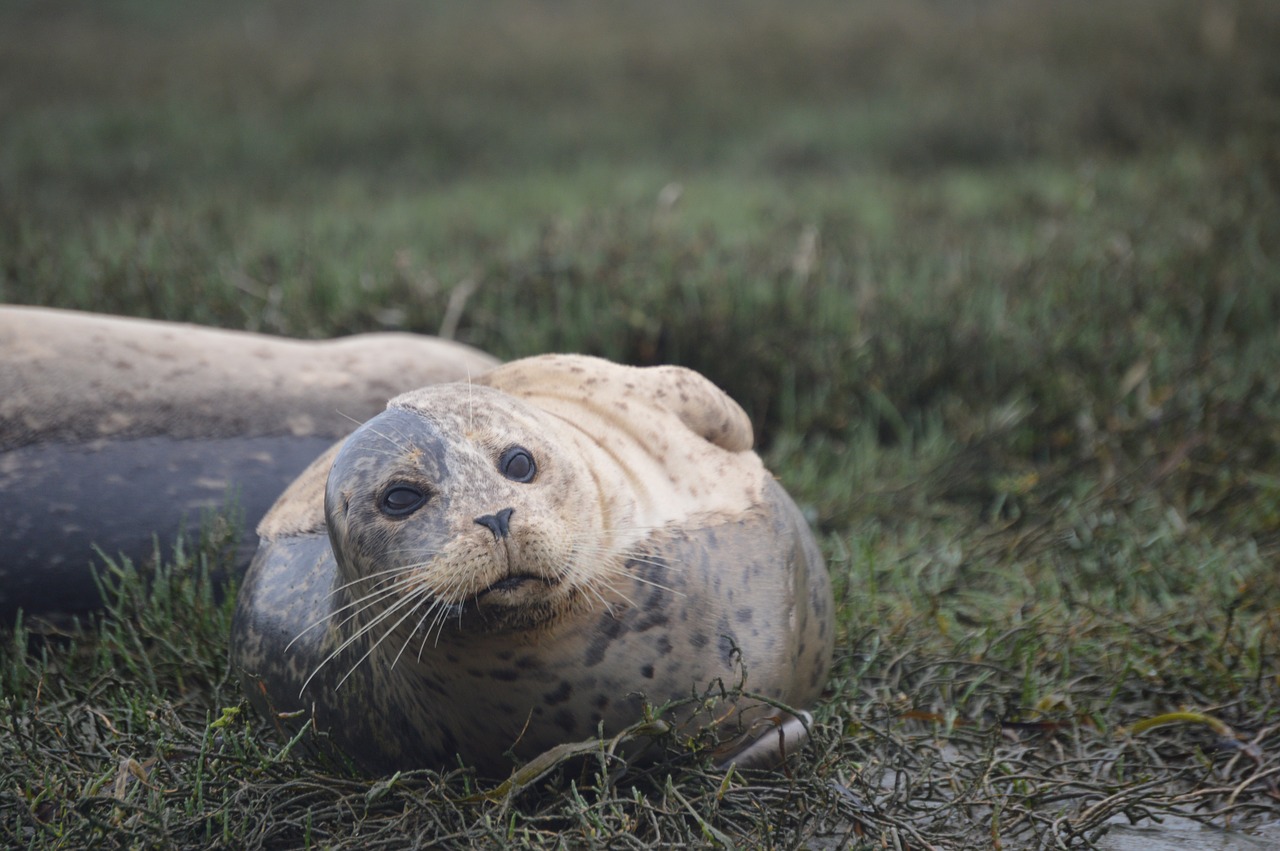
column 521, row 609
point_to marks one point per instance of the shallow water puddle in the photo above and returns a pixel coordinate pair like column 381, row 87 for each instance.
column 1181, row 834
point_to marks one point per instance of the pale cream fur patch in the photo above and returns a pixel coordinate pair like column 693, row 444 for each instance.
column 679, row 443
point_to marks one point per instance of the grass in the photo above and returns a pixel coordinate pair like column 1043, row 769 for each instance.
column 996, row 281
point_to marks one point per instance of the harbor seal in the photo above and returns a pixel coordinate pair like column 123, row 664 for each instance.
column 121, row 433
column 490, row 569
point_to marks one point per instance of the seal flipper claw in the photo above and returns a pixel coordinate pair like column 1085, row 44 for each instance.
column 784, row 736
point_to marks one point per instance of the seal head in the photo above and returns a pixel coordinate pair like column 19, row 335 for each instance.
column 466, row 517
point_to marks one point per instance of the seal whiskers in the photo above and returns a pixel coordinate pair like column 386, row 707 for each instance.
column 361, row 630
column 613, row 565
column 386, row 587
column 409, row 603
column 404, row 580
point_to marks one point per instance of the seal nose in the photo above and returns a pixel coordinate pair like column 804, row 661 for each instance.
column 497, row 523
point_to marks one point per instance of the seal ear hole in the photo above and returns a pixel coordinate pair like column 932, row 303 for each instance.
column 517, row 464
column 402, row 499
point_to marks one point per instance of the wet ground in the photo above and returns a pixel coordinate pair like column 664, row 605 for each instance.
column 1182, row 834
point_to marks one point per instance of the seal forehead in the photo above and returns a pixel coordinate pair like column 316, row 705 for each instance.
column 396, row 449
column 395, row 439
column 468, row 410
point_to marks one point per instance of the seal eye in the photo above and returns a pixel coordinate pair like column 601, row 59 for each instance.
column 517, row 464
column 399, row 500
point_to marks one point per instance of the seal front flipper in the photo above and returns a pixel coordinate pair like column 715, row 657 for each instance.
column 277, row 641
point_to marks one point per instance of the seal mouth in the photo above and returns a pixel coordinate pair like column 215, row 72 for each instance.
column 513, row 583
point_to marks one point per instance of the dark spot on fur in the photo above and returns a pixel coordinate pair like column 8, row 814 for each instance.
column 473, row 672
column 507, row 675
column 662, row 645
column 525, row 663
column 658, row 594
column 596, row 651
column 655, row 617
column 727, row 648
column 743, row 615
column 698, row 640
column 506, row 655
column 560, row 695
column 610, row 628
column 600, row 701
column 647, row 672
column 565, row 721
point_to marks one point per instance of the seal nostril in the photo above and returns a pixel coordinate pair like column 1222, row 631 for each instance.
column 497, row 523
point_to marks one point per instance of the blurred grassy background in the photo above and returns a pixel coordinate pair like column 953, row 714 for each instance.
column 867, row 206
column 997, row 280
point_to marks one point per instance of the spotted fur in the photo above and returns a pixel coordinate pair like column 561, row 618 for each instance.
column 650, row 557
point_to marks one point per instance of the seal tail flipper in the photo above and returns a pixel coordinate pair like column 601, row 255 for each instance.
column 783, row 735
column 704, row 408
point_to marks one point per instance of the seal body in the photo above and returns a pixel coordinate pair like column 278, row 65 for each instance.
column 489, row 569
column 120, row 434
